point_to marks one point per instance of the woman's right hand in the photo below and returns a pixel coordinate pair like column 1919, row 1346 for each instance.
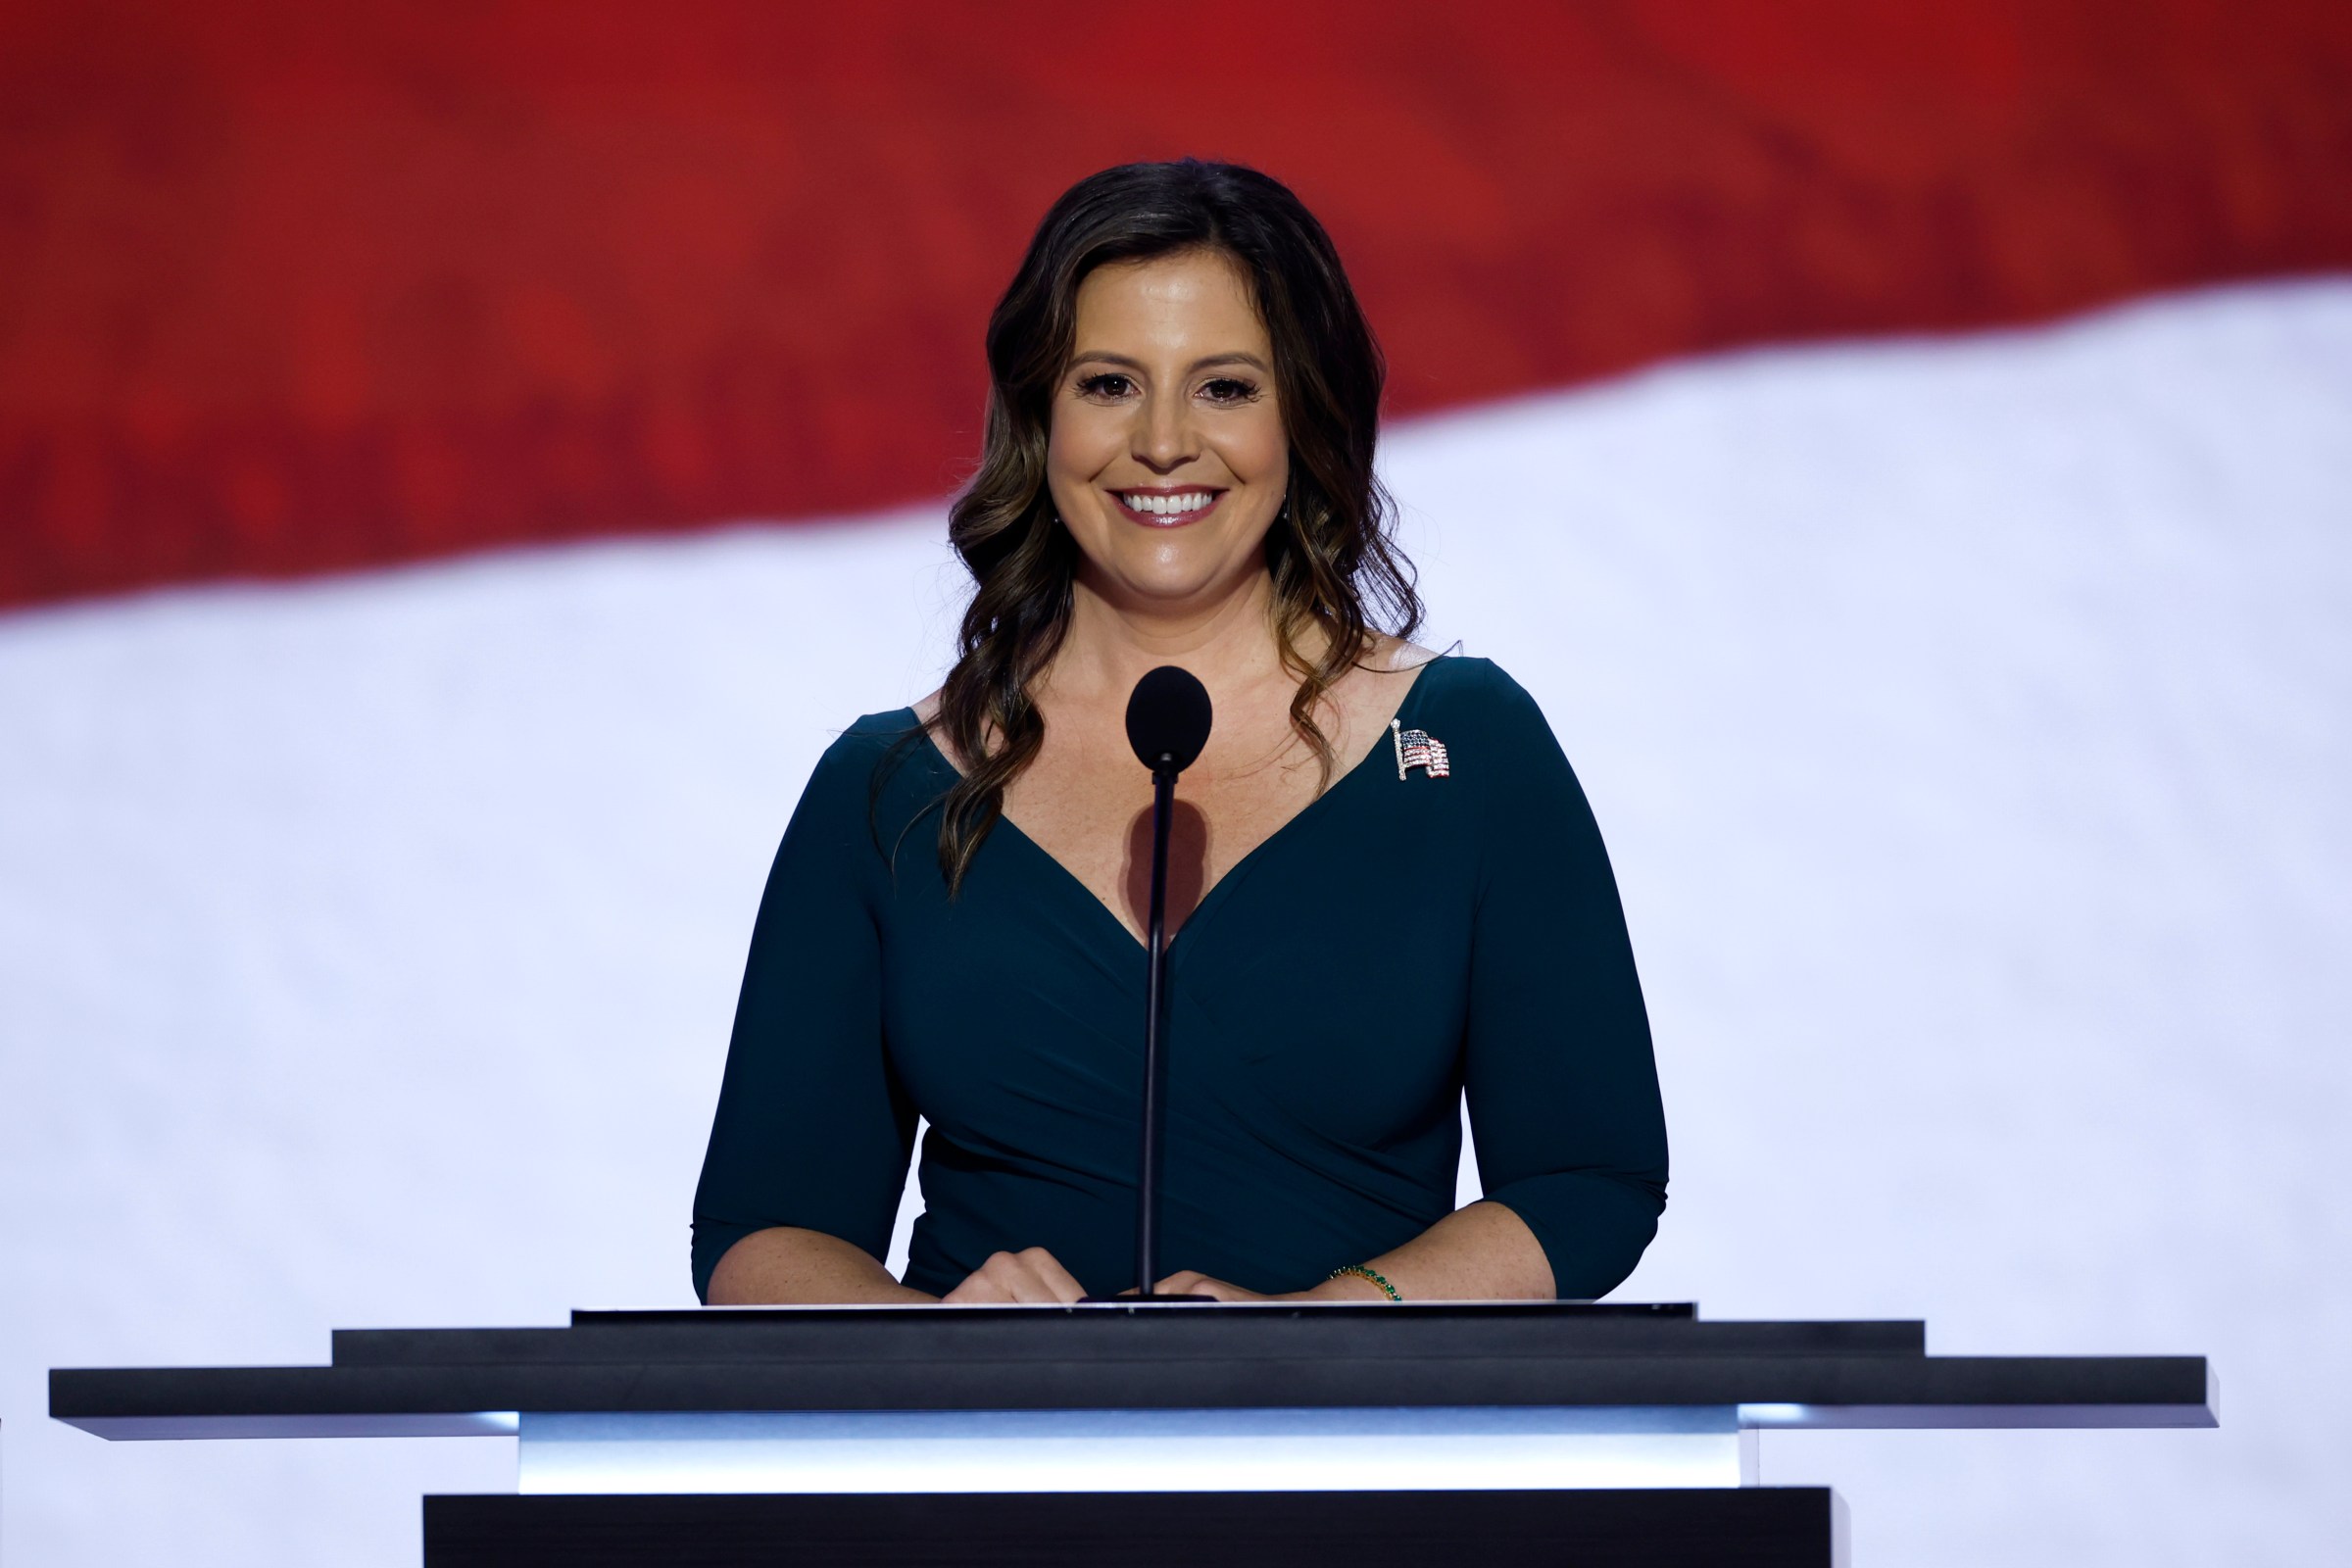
column 1030, row 1275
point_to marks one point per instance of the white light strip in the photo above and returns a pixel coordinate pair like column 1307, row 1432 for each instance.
column 1132, row 1450
column 1959, row 1417
column 162, row 1428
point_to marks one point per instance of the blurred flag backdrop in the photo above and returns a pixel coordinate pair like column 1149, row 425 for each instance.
column 292, row 287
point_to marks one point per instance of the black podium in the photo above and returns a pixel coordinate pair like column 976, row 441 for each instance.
column 1454, row 1434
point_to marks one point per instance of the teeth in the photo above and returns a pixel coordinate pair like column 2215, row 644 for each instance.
column 1168, row 506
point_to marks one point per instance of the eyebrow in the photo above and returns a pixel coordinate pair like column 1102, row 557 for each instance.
column 1106, row 358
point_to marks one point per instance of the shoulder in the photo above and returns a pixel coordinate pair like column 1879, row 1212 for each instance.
column 874, row 741
column 1481, row 692
column 874, row 778
column 1492, row 726
column 870, row 737
column 872, row 731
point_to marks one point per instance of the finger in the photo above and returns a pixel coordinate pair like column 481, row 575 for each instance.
column 1059, row 1283
column 977, row 1289
column 1192, row 1282
column 1023, row 1277
column 994, row 1282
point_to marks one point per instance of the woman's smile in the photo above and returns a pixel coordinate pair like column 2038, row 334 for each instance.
column 1167, row 506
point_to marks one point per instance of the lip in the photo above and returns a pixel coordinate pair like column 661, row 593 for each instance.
column 1161, row 519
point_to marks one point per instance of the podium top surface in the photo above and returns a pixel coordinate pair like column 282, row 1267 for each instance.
column 1134, row 1356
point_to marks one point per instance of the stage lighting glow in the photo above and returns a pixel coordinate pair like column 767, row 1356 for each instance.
column 1133, row 1450
column 1777, row 1416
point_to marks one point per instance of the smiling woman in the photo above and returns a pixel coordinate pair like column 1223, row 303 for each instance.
column 1178, row 470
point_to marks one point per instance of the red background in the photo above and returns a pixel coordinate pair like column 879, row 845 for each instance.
column 296, row 287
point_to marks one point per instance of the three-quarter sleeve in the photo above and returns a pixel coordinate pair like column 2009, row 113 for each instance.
column 812, row 1131
column 1561, row 1083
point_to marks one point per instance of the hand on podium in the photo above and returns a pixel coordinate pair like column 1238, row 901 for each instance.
column 1344, row 1288
column 1031, row 1274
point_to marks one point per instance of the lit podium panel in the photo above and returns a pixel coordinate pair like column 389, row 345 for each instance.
column 1283, row 1432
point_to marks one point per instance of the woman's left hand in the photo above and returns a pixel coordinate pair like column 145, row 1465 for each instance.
column 1192, row 1282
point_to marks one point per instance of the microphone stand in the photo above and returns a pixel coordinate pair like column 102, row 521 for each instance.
column 1168, row 720
column 1146, row 1219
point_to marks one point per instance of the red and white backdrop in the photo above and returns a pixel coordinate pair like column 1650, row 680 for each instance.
column 458, row 466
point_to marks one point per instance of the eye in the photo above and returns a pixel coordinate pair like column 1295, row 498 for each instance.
column 1104, row 384
column 1229, row 389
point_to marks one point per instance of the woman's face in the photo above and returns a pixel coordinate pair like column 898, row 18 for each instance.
column 1167, row 457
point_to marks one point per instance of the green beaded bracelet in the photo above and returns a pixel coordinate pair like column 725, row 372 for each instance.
column 1360, row 1269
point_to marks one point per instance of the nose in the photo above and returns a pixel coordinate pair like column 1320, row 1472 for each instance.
column 1163, row 440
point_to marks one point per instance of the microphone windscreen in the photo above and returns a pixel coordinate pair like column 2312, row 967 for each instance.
column 1168, row 719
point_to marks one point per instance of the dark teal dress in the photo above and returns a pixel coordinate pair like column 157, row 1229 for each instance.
column 1399, row 941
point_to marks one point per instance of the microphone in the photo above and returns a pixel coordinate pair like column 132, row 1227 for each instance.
column 1167, row 723
column 1167, row 720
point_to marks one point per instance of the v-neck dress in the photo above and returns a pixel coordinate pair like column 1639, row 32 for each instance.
column 1400, row 941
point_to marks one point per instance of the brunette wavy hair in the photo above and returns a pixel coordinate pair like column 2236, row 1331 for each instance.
column 1339, row 579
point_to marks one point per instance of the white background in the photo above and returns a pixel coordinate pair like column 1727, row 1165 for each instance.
column 1967, row 720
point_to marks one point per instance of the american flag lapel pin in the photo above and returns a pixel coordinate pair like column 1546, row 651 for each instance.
column 1415, row 748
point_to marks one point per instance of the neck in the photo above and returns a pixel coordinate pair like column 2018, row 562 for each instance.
column 1227, row 641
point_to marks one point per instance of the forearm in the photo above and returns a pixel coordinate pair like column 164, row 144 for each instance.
column 1483, row 1253
column 788, row 1266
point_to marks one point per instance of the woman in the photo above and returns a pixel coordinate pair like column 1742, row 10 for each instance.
column 1178, row 470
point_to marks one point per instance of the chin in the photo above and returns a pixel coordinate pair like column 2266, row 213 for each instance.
column 1171, row 575
column 1171, row 593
